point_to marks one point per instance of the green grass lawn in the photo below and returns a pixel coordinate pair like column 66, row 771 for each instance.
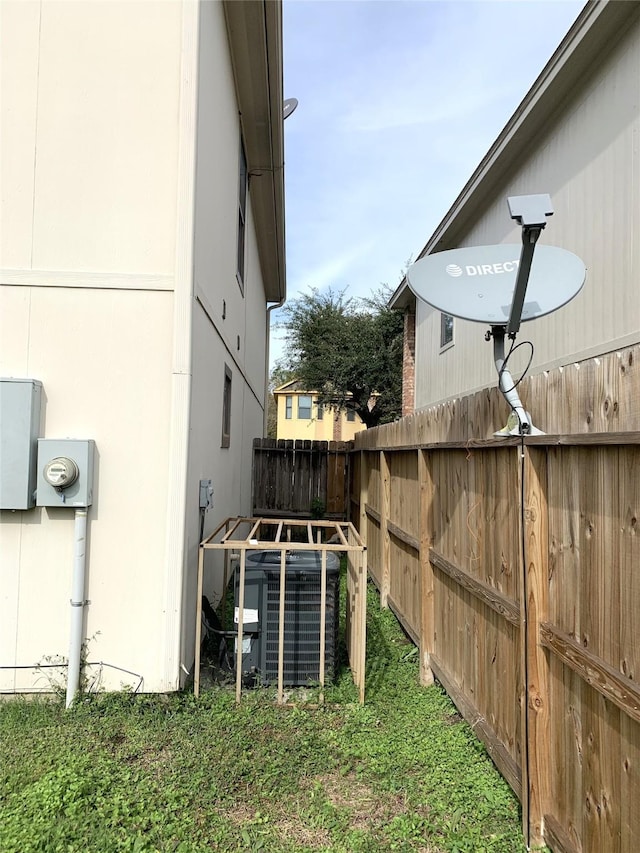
column 153, row 773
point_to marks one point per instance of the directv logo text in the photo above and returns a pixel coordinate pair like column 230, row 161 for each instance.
column 481, row 269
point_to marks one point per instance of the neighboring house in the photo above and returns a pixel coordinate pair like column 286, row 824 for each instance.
column 142, row 239
column 300, row 415
column 574, row 136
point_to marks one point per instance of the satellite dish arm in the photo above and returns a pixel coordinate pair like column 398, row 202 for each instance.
column 531, row 212
column 505, row 380
column 530, row 236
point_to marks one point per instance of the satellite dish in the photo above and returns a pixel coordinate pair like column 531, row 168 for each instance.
column 478, row 283
column 289, row 106
column 489, row 284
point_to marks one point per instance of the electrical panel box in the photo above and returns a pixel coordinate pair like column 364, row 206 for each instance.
column 20, row 401
column 206, row 494
column 65, row 472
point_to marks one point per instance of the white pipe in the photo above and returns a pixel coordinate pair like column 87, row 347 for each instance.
column 267, row 372
column 77, row 604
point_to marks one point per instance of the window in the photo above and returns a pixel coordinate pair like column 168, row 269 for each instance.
column 351, row 415
column 226, row 408
column 446, row 330
column 320, row 411
column 242, row 215
column 288, row 407
column 304, row 407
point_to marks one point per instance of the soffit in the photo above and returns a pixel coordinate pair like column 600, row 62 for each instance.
column 254, row 29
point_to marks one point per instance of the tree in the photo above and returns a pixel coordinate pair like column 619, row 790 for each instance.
column 347, row 351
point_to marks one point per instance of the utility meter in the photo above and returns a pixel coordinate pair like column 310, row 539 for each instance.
column 61, row 472
column 65, row 472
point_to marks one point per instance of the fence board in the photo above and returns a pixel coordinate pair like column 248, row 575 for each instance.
column 578, row 771
column 536, row 793
column 288, row 475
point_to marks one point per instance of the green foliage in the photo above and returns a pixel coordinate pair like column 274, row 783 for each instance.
column 121, row 772
column 348, row 351
column 317, row 508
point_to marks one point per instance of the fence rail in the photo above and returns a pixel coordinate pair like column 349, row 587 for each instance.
column 515, row 566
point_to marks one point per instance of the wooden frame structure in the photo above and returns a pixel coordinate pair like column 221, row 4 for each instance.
column 240, row 534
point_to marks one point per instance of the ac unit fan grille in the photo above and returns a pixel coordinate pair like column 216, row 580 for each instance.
column 301, row 663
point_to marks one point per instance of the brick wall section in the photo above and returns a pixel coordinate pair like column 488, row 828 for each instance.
column 409, row 363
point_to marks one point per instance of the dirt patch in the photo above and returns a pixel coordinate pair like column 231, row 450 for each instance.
column 283, row 822
column 367, row 808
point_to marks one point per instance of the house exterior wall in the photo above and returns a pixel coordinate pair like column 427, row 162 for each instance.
column 113, row 274
column 90, row 173
column 331, row 427
column 107, row 395
column 587, row 157
column 229, row 321
column 89, row 160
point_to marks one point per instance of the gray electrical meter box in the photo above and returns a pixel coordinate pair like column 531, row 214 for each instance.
column 65, row 472
column 20, row 401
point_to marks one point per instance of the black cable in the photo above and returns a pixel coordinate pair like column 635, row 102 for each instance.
column 64, row 664
column 512, row 349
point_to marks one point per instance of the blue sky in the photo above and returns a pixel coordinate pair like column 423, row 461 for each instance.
column 399, row 100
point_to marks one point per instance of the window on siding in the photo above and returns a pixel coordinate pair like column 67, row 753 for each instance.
column 304, row 407
column 288, row 408
column 446, row 330
column 226, row 408
column 351, row 415
column 320, row 411
column 242, row 215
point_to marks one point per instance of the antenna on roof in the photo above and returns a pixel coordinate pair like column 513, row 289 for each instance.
column 489, row 284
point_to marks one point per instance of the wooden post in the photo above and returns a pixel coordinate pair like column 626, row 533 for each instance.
column 426, row 577
column 385, row 496
column 364, row 496
column 225, row 575
column 362, row 621
column 243, row 557
column 196, row 666
column 283, row 564
column 323, row 618
column 536, row 751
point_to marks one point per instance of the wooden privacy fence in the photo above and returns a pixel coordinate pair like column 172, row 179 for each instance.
column 516, row 569
column 289, row 475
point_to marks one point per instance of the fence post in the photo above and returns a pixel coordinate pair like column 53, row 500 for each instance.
column 426, row 581
column 385, row 556
column 536, row 752
column 364, row 496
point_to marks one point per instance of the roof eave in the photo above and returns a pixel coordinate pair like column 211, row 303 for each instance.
column 254, row 29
